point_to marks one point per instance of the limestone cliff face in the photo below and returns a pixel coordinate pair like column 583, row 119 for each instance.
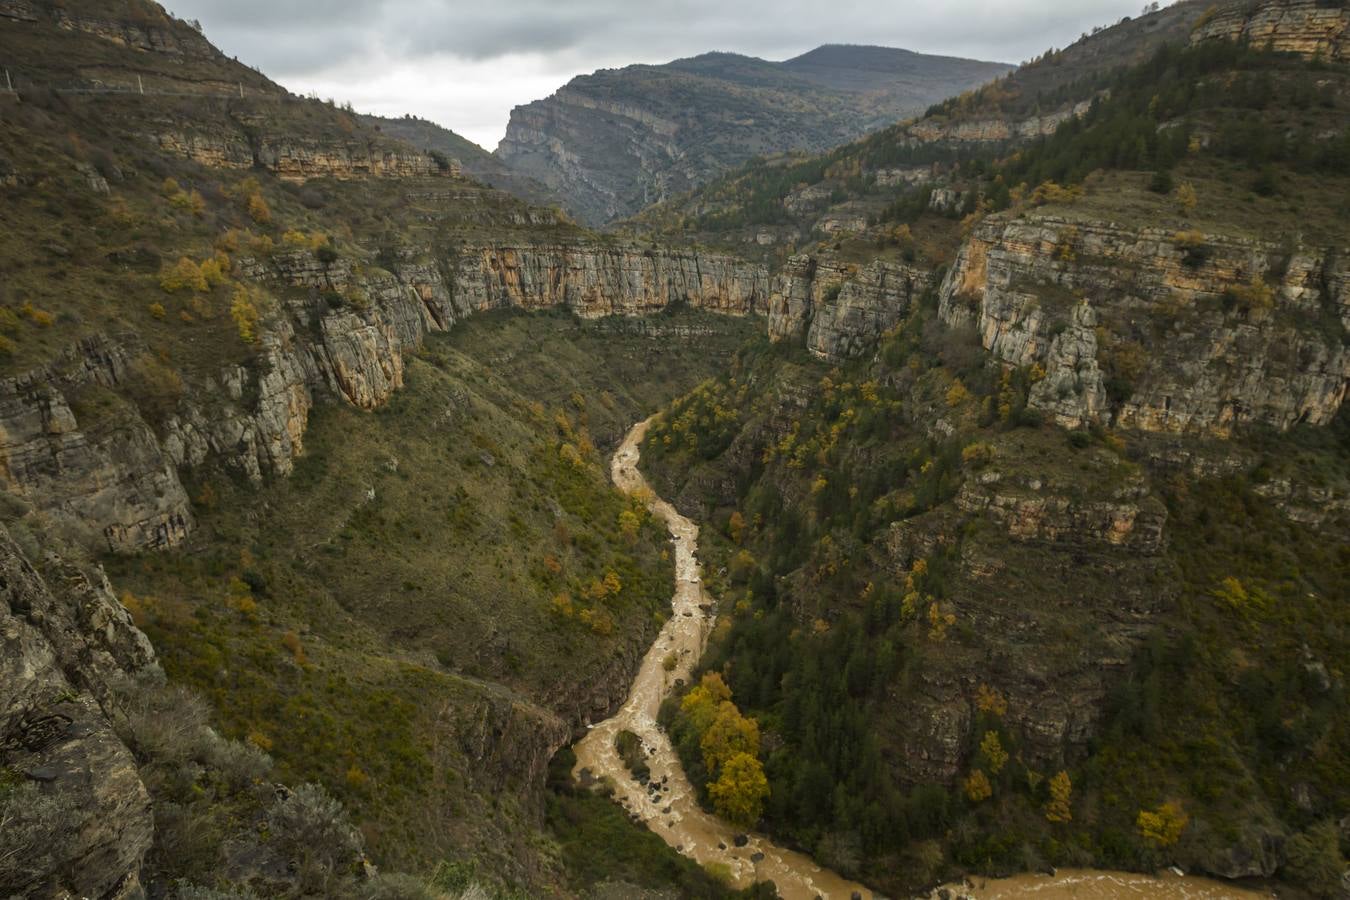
column 295, row 159
column 1029, row 509
column 87, row 824
column 299, row 160
column 557, row 142
column 335, row 330
column 224, row 150
column 617, row 140
column 145, row 37
column 1156, row 330
column 596, row 281
column 839, row 309
column 936, row 130
column 1306, row 27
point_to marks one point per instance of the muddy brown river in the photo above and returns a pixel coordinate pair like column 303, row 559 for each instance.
column 669, row 807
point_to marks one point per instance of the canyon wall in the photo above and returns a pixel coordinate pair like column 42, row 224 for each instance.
column 294, row 159
column 991, row 130
column 1175, row 332
column 618, row 140
column 112, row 478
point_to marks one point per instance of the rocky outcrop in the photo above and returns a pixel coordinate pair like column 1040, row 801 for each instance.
column 297, row 160
column 840, row 309
column 225, row 150
column 145, row 35
column 508, row 740
column 1307, row 27
column 1036, row 508
column 990, row 130
column 1083, row 530
column 103, row 472
column 1162, row 331
column 18, row 10
column 77, row 821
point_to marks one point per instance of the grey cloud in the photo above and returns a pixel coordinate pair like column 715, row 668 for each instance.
column 345, row 44
column 276, row 32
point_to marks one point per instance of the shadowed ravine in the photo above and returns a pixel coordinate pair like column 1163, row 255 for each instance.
column 668, row 804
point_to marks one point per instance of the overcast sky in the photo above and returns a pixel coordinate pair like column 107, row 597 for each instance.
column 465, row 63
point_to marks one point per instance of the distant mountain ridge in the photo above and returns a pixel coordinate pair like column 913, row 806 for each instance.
column 618, row 140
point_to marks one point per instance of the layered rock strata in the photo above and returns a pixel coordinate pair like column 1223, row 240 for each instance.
column 1307, row 27
column 1162, row 331
column 839, row 309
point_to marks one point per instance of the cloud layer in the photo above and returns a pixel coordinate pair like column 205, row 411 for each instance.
column 466, row 64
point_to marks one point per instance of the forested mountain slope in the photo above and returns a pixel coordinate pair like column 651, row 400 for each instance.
column 1030, row 516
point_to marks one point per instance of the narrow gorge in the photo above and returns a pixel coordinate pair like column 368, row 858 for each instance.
column 989, row 532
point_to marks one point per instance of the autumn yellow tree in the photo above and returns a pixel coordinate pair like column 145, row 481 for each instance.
column 939, row 622
column 736, row 526
column 729, row 734
column 739, row 792
column 245, row 315
column 977, row 786
column 216, row 270
column 700, row 704
column 629, row 523
column 1061, row 792
column 989, row 700
column 182, row 275
column 1186, row 197
column 1162, row 826
column 258, row 209
column 992, row 750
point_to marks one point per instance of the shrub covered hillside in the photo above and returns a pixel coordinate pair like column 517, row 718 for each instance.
column 450, row 568
column 1027, row 517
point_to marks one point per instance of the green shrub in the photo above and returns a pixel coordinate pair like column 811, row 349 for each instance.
column 30, row 820
column 310, row 829
column 1314, row 860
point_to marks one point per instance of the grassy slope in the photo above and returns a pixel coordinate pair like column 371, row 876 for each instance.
column 92, row 261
